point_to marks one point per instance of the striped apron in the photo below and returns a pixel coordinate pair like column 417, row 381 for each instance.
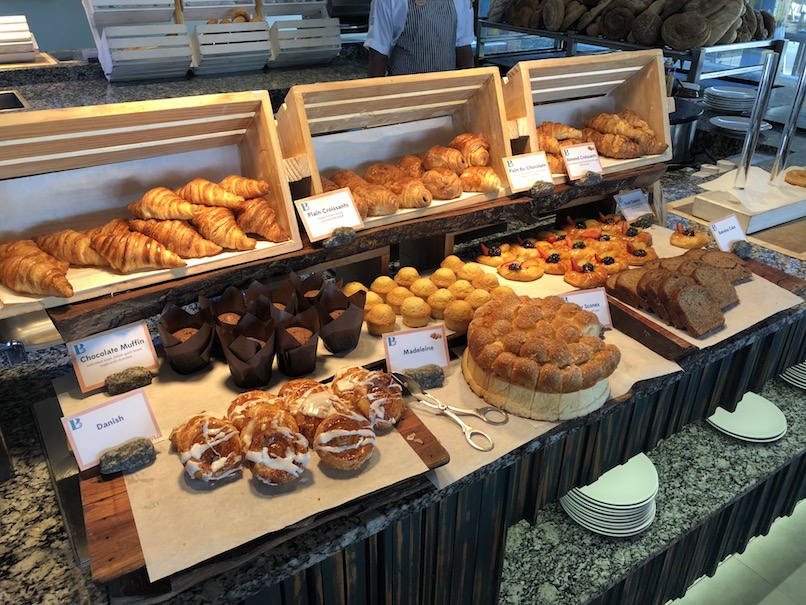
column 428, row 41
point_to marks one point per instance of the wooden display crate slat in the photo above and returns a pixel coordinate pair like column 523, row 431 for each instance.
column 204, row 10
column 305, row 9
column 573, row 89
column 103, row 13
column 304, row 41
column 360, row 122
column 230, row 47
column 141, row 51
column 17, row 44
column 84, row 165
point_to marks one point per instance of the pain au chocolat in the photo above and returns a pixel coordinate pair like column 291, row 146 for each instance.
column 541, row 358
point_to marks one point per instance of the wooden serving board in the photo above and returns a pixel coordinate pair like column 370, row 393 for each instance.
column 650, row 333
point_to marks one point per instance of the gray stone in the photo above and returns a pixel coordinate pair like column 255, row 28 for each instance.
column 129, row 457
column 127, row 380
column 428, row 376
column 645, row 220
column 592, row 178
column 541, row 189
column 341, row 236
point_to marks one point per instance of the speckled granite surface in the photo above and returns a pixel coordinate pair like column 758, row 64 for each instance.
column 699, row 470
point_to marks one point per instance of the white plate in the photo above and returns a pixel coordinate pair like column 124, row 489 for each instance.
column 795, row 375
column 608, row 509
column 636, row 516
column 736, row 123
column 615, row 533
column 630, row 483
column 730, row 92
column 741, row 438
column 754, row 418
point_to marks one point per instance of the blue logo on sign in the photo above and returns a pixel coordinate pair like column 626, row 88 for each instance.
column 79, row 349
column 75, row 424
column 391, row 341
column 304, row 206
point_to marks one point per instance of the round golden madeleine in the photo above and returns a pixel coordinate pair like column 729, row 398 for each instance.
column 415, row 311
column 458, row 316
column 443, row 277
column 485, row 281
column 438, row 301
column 452, row 262
column 407, row 276
column 383, row 285
column 396, row 297
column 501, row 291
column 469, row 271
column 380, row 319
column 352, row 287
column 423, row 288
column 461, row 288
column 477, row 298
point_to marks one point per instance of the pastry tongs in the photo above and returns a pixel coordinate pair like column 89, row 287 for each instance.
column 488, row 414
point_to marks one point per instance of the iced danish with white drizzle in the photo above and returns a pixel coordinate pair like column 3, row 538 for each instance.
column 245, row 406
column 312, row 405
column 344, row 441
column 373, row 394
column 208, row 447
column 274, row 449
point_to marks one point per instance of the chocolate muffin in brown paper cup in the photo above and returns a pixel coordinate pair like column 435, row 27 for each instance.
column 308, row 289
column 187, row 338
column 227, row 310
column 262, row 308
column 340, row 318
column 296, row 342
column 249, row 350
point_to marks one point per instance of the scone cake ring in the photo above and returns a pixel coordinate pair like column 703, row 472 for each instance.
column 540, row 358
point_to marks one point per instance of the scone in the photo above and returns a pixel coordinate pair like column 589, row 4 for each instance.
column 461, row 288
column 477, row 298
column 415, row 311
column 396, row 297
column 406, row 276
column 423, row 288
column 383, row 285
column 380, row 319
column 458, row 316
column 443, row 277
column 452, row 262
column 438, row 301
column 352, row 287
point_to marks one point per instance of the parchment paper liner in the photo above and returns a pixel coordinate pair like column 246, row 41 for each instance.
column 193, row 354
column 249, row 363
column 295, row 359
column 312, row 282
column 341, row 334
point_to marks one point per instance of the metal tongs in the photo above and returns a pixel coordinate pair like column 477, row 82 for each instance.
column 488, row 414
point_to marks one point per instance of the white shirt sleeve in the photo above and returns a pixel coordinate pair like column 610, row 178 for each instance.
column 465, row 31
column 387, row 18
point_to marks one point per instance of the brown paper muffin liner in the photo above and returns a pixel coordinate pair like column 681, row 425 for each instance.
column 190, row 355
column 308, row 290
column 250, row 362
column 341, row 334
column 295, row 359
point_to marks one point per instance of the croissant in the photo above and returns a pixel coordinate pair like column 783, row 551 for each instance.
column 37, row 273
column 412, row 165
column 328, row 185
column 376, row 199
column 163, row 203
column 410, row 191
column 443, row 183
column 444, row 157
column 636, row 121
column 177, row 236
column 480, row 178
column 132, row 251
column 609, row 123
column 257, row 216
column 244, row 187
column 613, row 145
column 116, row 225
column 558, row 131
column 475, row 149
column 555, row 162
column 201, row 191
column 71, row 246
column 219, row 226
column 27, row 247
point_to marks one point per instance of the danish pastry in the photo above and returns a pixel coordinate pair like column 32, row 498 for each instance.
column 243, row 407
column 796, row 177
column 208, row 447
column 688, row 238
column 274, row 449
column 373, row 394
column 344, row 441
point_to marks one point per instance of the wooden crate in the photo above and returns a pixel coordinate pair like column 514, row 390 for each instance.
column 17, row 44
column 304, row 42
column 144, row 52
column 573, row 89
column 230, row 47
column 204, row 10
column 80, row 167
column 102, row 13
column 325, row 127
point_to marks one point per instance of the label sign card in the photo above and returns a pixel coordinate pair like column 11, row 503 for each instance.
column 595, row 301
column 414, row 348
column 321, row 214
column 109, row 425
column 109, row 352
column 726, row 231
column 523, row 171
column 633, row 204
column 581, row 159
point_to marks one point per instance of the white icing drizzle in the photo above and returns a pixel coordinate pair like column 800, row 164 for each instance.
column 316, row 402
column 212, row 438
column 364, row 437
column 293, row 460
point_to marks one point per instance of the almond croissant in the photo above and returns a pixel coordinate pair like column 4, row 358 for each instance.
column 71, row 246
column 558, row 131
column 480, row 178
column 219, row 226
column 609, row 123
column 132, row 251
column 179, row 237
column 244, row 187
column 34, row 275
column 201, row 191
column 257, row 216
column 475, row 149
column 612, row 145
column 161, row 202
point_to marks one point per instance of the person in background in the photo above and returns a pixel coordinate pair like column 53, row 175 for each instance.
column 419, row 36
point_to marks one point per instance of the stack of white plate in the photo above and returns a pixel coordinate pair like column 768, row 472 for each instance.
column 755, row 419
column 620, row 504
column 796, row 375
column 734, row 99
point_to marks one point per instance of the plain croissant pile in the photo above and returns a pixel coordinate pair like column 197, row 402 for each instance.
column 198, row 220
column 625, row 135
column 679, row 24
column 442, row 173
